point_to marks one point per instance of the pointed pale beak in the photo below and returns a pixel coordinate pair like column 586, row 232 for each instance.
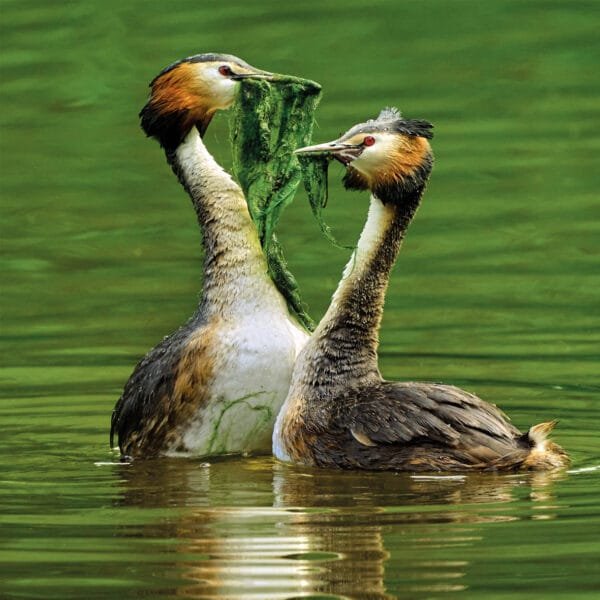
column 255, row 75
column 345, row 153
column 327, row 147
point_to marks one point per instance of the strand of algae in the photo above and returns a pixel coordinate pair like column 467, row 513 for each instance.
column 269, row 121
column 314, row 173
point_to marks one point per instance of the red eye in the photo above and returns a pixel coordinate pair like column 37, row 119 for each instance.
column 369, row 141
column 225, row 71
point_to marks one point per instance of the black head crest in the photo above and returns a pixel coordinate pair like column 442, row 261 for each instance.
column 390, row 120
column 415, row 127
column 392, row 117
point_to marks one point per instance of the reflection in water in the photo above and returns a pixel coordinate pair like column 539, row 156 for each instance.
column 290, row 532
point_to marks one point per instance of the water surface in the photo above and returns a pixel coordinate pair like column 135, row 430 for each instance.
column 497, row 290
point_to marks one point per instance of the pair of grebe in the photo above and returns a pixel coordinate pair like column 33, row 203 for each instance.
column 242, row 354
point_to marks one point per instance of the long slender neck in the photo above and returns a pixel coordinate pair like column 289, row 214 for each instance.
column 345, row 342
column 235, row 270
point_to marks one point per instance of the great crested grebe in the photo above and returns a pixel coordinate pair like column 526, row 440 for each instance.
column 216, row 384
column 339, row 411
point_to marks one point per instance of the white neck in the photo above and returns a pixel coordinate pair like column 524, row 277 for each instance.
column 374, row 230
column 351, row 324
column 236, row 278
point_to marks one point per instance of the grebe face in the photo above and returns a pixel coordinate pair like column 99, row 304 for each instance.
column 189, row 92
column 369, row 152
column 374, row 152
column 204, row 83
column 217, row 81
column 383, row 152
column 213, row 81
column 374, row 157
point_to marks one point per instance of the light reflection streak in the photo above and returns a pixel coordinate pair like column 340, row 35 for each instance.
column 259, row 529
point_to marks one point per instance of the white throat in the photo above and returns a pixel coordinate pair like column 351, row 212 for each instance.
column 236, row 279
column 370, row 238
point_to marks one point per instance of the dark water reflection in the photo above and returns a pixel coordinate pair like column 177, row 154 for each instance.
column 259, row 529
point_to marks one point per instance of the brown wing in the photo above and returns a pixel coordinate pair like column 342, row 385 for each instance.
column 151, row 404
column 142, row 399
column 442, row 415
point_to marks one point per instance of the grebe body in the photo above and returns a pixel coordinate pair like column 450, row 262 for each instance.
column 340, row 412
column 216, row 384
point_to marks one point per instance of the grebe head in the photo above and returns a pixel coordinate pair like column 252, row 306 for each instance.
column 189, row 92
column 384, row 155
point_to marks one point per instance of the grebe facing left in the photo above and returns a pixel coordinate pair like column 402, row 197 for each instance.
column 216, row 384
column 339, row 411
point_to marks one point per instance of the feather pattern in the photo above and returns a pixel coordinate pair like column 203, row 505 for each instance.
column 339, row 411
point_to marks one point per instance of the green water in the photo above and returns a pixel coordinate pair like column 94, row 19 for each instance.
column 497, row 290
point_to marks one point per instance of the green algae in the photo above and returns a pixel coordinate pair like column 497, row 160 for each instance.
column 315, row 167
column 266, row 416
column 269, row 121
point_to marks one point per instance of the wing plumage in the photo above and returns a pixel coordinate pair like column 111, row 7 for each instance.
column 414, row 415
column 141, row 417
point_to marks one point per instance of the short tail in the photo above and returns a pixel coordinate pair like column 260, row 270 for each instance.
column 538, row 434
column 544, row 454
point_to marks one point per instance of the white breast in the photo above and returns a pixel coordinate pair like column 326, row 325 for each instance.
column 254, row 358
